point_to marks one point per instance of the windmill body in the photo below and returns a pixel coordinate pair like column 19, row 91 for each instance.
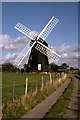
column 39, row 51
column 37, row 59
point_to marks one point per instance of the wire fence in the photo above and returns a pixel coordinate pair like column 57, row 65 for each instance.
column 16, row 90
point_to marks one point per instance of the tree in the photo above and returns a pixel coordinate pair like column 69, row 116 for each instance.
column 22, row 70
column 53, row 67
column 64, row 66
column 71, row 68
column 26, row 68
column 8, row 67
column 18, row 70
column 79, row 72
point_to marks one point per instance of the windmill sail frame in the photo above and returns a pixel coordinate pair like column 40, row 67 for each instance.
column 41, row 37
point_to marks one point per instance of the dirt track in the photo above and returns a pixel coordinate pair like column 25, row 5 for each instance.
column 73, row 110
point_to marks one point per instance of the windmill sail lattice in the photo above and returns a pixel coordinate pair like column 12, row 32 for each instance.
column 48, row 52
column 26, row 31
column 23, row 54
column 38, row 41
column 48, row 28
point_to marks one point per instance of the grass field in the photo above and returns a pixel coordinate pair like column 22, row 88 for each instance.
column 59, row 109
column 20, row 79
column 24, row 104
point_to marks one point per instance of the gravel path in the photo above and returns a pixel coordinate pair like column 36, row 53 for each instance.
column 40, row 110
column 73, row 110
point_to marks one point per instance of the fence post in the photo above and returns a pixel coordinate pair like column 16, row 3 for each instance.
column 50, row 79
column 36, row 86
column 42, row 81
column 26, row 87
column 58, row 75
column 53, row 79
column 46, row 83
column 13, row 91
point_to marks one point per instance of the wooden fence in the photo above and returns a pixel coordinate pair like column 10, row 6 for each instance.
column 51, row 81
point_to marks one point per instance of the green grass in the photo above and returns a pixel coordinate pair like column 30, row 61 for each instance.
column 59, row 109
column 77, row 76
column 20, row 79
column 24, row 104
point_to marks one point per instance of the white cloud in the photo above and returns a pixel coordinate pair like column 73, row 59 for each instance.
column 64, row 55
column 69, row 53
column 69, row 56
column 9, row 44
column 66, row 48
column 4, row 39
column 9, row 58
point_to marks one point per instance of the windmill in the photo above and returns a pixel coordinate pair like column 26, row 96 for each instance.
column 37, row 48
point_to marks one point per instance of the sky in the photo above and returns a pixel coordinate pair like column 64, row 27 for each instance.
column 35, row 15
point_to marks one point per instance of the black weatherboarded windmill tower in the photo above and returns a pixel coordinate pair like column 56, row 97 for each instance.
column 37, row 48
column 38, row 61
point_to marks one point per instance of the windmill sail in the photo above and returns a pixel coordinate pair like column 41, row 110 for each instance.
column 39, row 46
column 48, row 28
column 47, row 51
column 23, row 54
column 26, row 31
